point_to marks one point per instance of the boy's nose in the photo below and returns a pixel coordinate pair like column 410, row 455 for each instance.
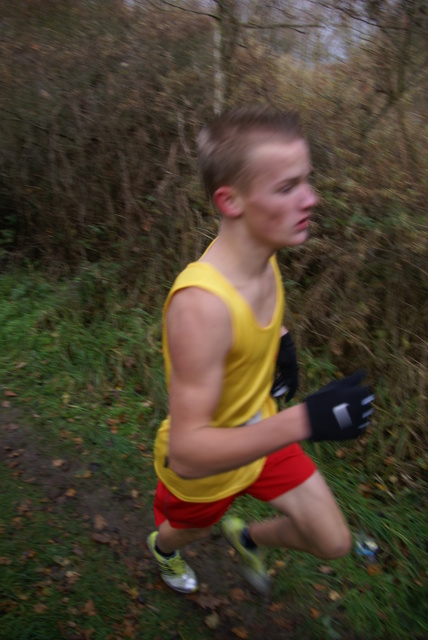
column 311, row 198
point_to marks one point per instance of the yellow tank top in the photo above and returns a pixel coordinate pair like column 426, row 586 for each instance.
column 249, row 372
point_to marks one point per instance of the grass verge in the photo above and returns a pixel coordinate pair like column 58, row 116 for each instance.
column 77, row 480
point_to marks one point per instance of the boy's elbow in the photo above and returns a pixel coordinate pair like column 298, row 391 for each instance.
column 185, row 468
column 182, row 469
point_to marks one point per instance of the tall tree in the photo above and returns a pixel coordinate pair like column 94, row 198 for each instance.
column 394, row 34
column 232, row 20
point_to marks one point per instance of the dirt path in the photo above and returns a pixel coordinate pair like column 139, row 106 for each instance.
column 111, row 518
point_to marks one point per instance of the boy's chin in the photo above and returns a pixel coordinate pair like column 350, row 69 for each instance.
column 296, row 240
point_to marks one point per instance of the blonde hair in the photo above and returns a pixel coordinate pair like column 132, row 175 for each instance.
column 225, row 143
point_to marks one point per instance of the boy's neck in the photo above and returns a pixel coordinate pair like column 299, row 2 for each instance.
column 236, row 255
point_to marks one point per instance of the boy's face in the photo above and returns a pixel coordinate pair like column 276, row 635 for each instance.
column 277, row 201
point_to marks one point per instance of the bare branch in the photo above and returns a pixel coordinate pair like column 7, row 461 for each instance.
column 350, row 13
column 279, row 25
column 175, row 6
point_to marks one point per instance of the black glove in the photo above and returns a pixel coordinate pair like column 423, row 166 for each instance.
column 287, row 379
column 340, row 410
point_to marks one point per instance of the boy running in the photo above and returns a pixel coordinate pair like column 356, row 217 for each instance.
column 222, row 339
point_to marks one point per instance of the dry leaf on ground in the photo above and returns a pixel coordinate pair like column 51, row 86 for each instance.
column 212, row 620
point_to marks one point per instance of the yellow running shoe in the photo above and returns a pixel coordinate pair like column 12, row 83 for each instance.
column 175, row 572
column 252, row 567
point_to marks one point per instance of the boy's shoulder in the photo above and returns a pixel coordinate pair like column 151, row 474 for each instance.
column 198, row 327
column 196, row 302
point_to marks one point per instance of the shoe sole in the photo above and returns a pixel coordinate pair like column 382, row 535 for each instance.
column 177, row 589
column 249, row 575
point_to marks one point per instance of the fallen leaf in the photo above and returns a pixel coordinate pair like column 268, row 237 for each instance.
column 7, row 605
column 340, row 454
column 10, row 394
column 21, row 365
column 102, row 538
column 72, row 576
column 11, row 427
column 40, row 608
column 128, row 629
column 100, row 523
column 240, row 632
column 334, row 595
column 70, row 493
column 381, row 486
column 276, row 606
column 364, row 488
column 374, row 569
column 83, row 474
column 62, row 562
column 133, row 592
column 12, row 464
column 5, row 561
column 208, row 601
column 16, row 453
column 5, row 404
column 212, row 620
column 134, row 493
column 58, row 463
column 284, row 623
column 315, row 613
column 325, row 569
column 24, row 508
column 65, row 398
column 73, row 611
column 320, row 587
column 237, row 594
column 78, row 551
column 89, row 608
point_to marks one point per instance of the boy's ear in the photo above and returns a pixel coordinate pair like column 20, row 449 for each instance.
column 228, row 202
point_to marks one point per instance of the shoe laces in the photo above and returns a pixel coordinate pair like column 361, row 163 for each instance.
column 176, row 564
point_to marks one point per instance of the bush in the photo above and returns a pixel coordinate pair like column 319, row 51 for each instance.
column 101, row 107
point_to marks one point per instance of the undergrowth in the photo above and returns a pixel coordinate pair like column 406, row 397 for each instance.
column 89, row 379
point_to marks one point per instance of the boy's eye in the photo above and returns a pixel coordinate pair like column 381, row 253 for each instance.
column 286, row 188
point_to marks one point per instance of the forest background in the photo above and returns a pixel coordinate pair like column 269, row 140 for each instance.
column 101, row 203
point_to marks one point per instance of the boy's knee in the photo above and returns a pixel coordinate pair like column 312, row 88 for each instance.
column 336, row 547
column 200, row 534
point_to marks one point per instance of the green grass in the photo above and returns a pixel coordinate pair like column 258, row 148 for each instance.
column 86, row 366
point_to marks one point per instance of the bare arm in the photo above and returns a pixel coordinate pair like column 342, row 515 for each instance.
column 200, row 336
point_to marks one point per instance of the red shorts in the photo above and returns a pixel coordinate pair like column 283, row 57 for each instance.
column 283, row 470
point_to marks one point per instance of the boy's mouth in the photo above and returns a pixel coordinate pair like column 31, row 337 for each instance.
column 303, row 224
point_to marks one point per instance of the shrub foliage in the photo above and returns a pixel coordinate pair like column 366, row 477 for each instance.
column 101, row 105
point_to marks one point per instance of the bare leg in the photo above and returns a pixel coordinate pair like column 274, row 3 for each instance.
column 313, row 522
column 170, row 539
